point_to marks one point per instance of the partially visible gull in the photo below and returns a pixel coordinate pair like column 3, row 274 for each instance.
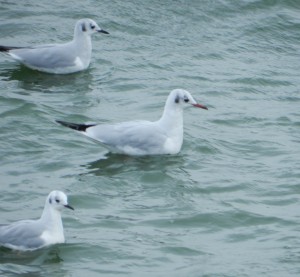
column 63, row 58
column 27, row 235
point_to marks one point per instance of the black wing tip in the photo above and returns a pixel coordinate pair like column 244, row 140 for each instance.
column 8, row 48
column 74, row 126
column 4, row 48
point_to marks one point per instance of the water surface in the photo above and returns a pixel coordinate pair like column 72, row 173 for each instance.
column 226, row 205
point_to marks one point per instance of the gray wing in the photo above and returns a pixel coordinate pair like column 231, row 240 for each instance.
column 46, row 56
column 139, row 135
column 22, row 234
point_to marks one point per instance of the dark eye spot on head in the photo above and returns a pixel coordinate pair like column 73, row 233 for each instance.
column 177, row 99
column 57, row 200
column 93, row 26
column 186, row 99
column 83, row 28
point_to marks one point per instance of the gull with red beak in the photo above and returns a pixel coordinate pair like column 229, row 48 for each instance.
column 139, row 138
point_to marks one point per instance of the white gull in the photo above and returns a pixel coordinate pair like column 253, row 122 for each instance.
column 63, row 58
column 27, row 235
column 139, row 138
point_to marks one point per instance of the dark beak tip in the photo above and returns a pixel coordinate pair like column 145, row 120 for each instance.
column 69, row 207
column 103, row 31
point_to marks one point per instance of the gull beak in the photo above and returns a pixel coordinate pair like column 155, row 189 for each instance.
column 102, row 31
column 69, row 207
column 200, row 106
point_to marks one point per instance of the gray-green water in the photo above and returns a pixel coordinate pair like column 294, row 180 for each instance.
column 227, row 205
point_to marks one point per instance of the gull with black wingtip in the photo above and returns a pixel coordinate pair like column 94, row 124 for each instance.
column 139, row 138
column 63, row 58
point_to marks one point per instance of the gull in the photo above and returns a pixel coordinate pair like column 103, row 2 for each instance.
column 26, row 235
column 139, row 138
column 63, row 58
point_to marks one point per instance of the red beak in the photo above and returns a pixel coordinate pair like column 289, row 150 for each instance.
column 200, row 106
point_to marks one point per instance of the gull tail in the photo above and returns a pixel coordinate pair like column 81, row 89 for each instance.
column 77, row 127
column 8, row 48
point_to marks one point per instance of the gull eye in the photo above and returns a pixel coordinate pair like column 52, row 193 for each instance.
column 57, row 200
column 93, row 26
column 186, row 100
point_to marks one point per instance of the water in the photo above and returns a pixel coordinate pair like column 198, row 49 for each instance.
column 227, row 205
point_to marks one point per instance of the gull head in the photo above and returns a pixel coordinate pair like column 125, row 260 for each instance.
column 57, row 200
column 182, row 97
column 88, row 26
